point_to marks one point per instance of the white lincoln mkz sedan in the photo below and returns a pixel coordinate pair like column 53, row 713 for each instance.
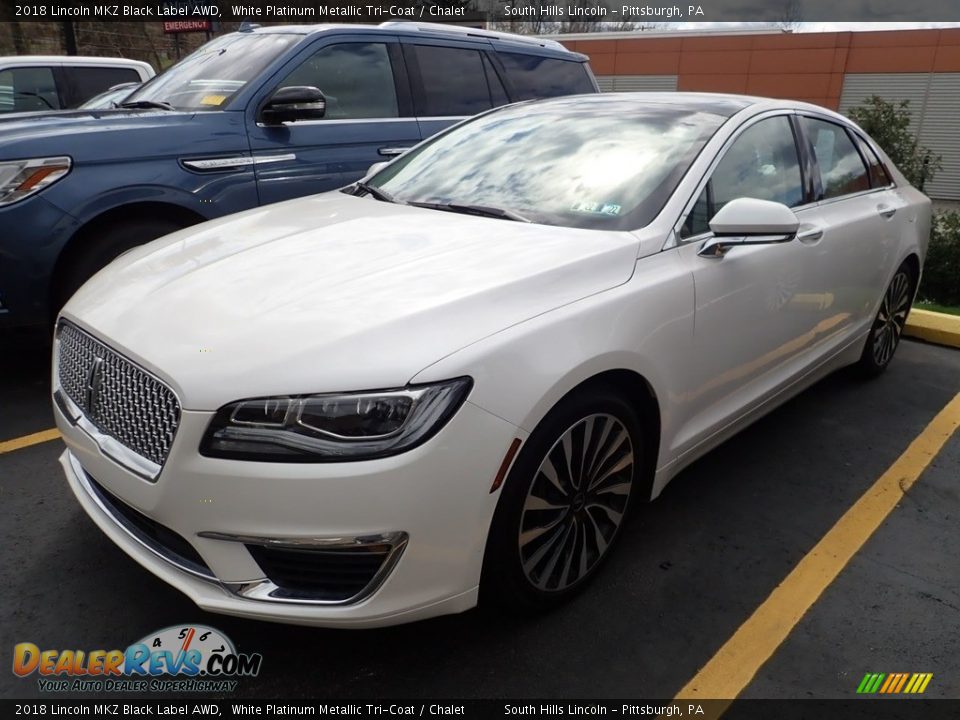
column 452, row 380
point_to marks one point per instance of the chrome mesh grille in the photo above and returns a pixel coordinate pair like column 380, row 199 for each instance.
column 128, row 404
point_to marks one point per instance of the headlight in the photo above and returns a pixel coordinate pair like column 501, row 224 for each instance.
column 335, row 427
column 22, row 178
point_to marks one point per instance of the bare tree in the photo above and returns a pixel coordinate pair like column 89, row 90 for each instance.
column 791, row 16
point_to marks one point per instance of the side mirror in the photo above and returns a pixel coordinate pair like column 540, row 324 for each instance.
column 376, row 167
column 297, row 102
column 748, row 221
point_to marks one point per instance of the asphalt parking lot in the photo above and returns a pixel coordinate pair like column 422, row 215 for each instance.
column 691, row 569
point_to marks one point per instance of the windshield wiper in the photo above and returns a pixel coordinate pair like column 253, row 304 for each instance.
column 481, row 210
column 147, row 105
column 376, row 192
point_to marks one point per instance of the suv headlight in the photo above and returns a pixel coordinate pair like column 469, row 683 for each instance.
column 22, row 178
column 335, row 427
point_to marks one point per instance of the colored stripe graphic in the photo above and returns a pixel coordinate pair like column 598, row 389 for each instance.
column 894, row 683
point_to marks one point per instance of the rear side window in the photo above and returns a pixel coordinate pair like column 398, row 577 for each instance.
column 27, row 89
column 535, row 77
column 454, row 81
column 85, row 82
column 355, row 78
column 879, row 177
column 497, row 92
column 842, row 171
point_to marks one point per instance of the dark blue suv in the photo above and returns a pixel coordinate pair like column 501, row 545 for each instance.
column 249, row 119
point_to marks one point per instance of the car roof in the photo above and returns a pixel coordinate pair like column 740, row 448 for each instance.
column 450, row 32
column 68, row 59
column 723, row 104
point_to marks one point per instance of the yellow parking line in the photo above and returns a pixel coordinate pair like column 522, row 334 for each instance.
column 28, row 440
column 735, row 664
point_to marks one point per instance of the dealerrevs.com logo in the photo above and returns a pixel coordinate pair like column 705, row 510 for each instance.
column 181, row 658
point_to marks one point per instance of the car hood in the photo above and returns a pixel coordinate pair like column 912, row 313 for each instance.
column 334, row 293
column 104, row 136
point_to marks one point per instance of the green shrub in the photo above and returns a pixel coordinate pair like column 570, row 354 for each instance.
column 941, row 271
column 889, row 126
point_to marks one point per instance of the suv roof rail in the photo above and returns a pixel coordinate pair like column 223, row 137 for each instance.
column 475, row 32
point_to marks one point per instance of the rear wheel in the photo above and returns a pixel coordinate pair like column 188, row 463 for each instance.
column 564, row 502
column 887, row 328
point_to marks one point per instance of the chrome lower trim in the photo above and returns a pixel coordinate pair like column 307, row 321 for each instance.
column 267, row 590
column 132, row 532
column 263, row 590
column 112, row 448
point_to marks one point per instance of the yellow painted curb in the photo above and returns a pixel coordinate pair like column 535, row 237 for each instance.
column 933, row 327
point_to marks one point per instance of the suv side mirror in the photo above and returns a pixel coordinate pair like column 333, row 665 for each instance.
column 297, row 102
column 748, row 221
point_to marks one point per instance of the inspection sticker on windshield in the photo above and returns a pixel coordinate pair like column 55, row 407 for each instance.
column 596, row 208
column 213, row 99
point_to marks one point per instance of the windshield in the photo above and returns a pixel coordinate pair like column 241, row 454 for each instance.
column 574, row 162
column 209, row 77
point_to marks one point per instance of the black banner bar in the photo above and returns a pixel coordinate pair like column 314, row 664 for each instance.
column 902, row 708
column 481, row 11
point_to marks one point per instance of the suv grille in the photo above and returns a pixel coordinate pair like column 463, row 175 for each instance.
column 125, row 402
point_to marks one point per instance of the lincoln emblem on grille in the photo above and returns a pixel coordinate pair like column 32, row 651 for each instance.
column 94, row 378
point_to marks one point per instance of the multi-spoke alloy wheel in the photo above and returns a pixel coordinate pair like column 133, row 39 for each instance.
column 565, row 500
column 891, row 318
column 576, row 502
column 888, row 325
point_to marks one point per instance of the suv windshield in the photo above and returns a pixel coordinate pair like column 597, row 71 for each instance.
column 208, row 78
column 576, row 162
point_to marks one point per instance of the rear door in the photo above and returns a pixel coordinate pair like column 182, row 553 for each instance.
column 859, row 213
column 451, row 80
column 369, row 116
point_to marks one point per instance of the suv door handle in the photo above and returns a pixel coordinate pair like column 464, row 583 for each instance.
column 810, row 235
column 392, row 151
column 886, row 211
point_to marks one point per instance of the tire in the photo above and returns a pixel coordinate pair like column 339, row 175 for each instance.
column 102, row 248
column 887, row 328
column 551, row 533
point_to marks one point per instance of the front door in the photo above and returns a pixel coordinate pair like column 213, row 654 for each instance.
column 760, row 310
column 368, row 119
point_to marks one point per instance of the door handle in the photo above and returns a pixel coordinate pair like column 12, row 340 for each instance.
column 886, row 211
column 392, row 151
column 810, row 235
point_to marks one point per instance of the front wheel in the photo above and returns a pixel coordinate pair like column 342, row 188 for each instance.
column 99, row 250
column 887, row 328
column 564, row 503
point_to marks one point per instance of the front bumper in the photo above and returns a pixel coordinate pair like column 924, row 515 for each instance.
column 430, row 506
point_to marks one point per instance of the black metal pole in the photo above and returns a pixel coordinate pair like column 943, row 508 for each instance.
column 69, row 37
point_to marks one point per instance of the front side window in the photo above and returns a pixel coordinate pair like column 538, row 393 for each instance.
column 762, row 163
column 842, row 171
column 27, row 89
column 601, row 165
column 534, row 76
column 355, row 78
column 454, row 81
